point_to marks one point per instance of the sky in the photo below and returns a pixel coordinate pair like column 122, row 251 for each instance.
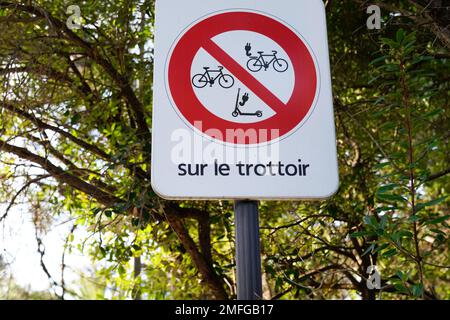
column 18, row 247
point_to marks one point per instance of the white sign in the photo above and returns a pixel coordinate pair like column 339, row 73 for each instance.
column 242, row 101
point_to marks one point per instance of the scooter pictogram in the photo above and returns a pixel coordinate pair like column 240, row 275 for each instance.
column 237, row 112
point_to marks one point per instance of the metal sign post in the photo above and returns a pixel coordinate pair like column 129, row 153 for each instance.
column 248, row 255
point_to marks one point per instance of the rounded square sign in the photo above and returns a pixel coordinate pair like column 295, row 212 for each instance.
column 242, row 101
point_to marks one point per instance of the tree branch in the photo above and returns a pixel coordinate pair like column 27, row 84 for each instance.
column 438, row 175
column 24, row 187
column 215, row 283
column 81, row 143
column 422, row 18
column 42, row 125
column 61, row 175
column 92, row 52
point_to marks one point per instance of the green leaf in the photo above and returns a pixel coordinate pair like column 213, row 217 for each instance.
column 270, row 270
column 421, row 206
column 405, row 234
column 75, row 119
column 400, row 35
column 102, row 251
column 95, row 211
column 121, row 207
column 383, row 221
column 387, row 188
column 397, row 236
column 372, row 80
column 371, row 221
column 401, row 288
column 417, row 290
column 381, row 248
column 379, row 101
column 108, row 213
column 369, row 249
column 414, row 218
column 389, row 253
column 402, row 276
column 390, row 67
column 388, row 126
column 379, row 59
column 121, row 270
column 381, row 165
column 433, row 113
column 390, row 197
column 438, row 231
column 279, row 283
column 391, row 43
column 438, row 220
column 420, row 59
column 360, row 234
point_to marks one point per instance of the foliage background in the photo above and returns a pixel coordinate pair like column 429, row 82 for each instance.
column 75, row 140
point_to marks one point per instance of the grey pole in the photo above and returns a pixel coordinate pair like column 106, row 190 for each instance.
column 248, row 254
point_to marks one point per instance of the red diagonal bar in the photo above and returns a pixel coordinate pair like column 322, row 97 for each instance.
column 244, row 76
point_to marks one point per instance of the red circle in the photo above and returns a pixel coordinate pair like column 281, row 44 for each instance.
column 185, row 99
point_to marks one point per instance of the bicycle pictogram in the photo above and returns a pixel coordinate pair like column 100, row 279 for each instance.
column 210, row 77
column 237, row 112
column 256, row 63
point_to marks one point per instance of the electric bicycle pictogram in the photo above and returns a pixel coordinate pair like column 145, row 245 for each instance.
column 256, row 63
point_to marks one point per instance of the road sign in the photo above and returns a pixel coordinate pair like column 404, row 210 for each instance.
column 242, row 101
column 199, row 37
